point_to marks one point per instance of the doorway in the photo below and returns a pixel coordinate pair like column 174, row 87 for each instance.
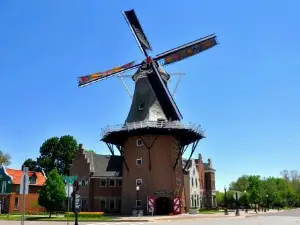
column 163, row 206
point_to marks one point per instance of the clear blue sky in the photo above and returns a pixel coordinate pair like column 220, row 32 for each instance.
column 244, row 92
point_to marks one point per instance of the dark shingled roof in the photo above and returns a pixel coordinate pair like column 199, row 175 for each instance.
column 105, row 165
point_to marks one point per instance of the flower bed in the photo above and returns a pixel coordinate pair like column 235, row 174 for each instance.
column 85, row 214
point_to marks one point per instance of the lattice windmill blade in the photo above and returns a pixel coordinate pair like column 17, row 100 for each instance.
column 91, row 78
column 137, row 31
column 187, row 50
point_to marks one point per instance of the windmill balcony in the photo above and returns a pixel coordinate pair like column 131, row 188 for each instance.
column 185, row 132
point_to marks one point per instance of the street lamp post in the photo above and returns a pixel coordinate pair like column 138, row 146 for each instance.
column 237, row 212
column 267, row 203
column 246, row 202
column 137, row 198
column 225, row 201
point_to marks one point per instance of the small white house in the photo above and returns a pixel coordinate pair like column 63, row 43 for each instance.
column 194, row 185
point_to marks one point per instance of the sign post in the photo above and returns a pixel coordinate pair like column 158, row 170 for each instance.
column 24, row 185
column 69, row 180
column 76, row 201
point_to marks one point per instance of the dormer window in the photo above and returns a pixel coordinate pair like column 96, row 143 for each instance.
column 141, row 106
column 32, row 179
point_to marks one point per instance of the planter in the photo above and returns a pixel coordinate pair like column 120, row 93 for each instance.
column 193, row 211
column 137, row 212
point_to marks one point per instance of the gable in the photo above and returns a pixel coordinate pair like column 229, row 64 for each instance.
column 5, row 181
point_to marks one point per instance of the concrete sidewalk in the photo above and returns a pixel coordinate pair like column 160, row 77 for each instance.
column 220, row 215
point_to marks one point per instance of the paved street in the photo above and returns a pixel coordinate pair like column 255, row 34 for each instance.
column 280, row 218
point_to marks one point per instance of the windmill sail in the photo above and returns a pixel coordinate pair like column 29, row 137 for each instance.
column 137, row 30
column 91, row 78
column 187, row 50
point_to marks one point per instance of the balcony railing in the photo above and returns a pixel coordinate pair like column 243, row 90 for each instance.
column 152, row 124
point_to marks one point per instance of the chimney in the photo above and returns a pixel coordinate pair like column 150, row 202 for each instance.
column 200, row 158
column 80, row 148
column 209, row 163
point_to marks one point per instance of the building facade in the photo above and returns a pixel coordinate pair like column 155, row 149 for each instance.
column 103, row 189
column 11, row 200
column 202, row 183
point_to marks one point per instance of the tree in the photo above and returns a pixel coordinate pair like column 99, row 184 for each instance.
column 52, row 195
column 240, row 184
column 254, row 188
column 57, row 153
column 220, row 197
column 32, row 165
column 5, row 159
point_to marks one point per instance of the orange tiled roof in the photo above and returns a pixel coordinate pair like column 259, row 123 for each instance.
column 17, row 174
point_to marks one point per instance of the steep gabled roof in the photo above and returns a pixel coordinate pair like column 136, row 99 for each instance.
column 104, row 165
column 17, row 174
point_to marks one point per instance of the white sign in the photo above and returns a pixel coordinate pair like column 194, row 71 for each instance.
column 24, row 182
column 69, row 189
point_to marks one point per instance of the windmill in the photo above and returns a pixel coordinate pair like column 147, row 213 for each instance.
column 151, row 66
column 153, row 133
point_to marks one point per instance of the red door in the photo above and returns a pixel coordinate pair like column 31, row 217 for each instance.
column 176, row 206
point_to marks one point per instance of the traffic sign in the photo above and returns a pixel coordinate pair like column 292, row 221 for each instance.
column 69, row 179
column 24, row 183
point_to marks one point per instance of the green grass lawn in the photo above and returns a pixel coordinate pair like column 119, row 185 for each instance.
column 54, row 218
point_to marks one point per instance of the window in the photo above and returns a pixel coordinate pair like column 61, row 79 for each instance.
column 18, row 189
column 138, row 203
column 32, row 179
column 178, row 182
column 112, row 182
column 3, row 186
column 84, row 204
column 112, row 203
column 16, row 202
column 139, row 162
column 141, row 106
column 119, row 182
column 192, row 182
column 196, row 182
column 102, row 204
column 102, row 183
column 139, row 182
column 139, row 142
column 119, row 203
column 85, row 183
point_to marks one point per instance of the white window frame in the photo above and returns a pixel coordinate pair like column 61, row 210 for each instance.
column 139, row 142
column 139, row 159
column 136, row 203
column 141, row 181
column 105, row 182
column 114, row 182
column 178, row 182
column 118, row 184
